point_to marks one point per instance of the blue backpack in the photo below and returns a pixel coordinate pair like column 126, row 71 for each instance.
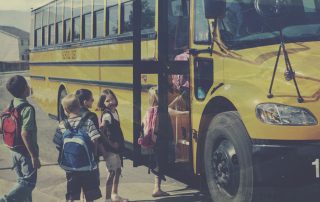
column 77, row 153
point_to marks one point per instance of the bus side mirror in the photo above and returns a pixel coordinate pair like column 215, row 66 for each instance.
column 214, row 8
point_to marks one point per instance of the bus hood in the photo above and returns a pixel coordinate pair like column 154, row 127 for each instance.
column 304, row 59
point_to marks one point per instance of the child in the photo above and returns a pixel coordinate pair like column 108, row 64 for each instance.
column 86, row 100
column 151, row 122
column 113, row 141
column 77, row 180
column 25, row 159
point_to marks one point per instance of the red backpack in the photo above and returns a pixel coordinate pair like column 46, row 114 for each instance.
column 149, row 134
column 11, row 124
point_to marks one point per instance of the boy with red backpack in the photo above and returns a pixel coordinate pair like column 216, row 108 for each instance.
column 19, row 130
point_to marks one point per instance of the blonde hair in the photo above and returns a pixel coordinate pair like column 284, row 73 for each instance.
column 71, row 103
column 153, row 96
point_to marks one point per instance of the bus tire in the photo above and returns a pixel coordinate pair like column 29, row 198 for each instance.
column 228, row 159
column 61, row 114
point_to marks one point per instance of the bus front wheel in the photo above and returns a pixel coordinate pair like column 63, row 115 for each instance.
column 228, row 159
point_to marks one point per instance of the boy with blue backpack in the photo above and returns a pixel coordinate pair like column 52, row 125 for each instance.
column 76, row 138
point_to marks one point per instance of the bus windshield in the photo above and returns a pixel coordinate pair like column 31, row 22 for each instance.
column 242, row 26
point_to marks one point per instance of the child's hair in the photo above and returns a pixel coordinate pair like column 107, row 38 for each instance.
column 83, row 94
column 17, row 85
column 71, row 103
column 102, row 99
column 153, row 96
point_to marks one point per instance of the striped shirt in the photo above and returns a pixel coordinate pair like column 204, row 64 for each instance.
column 88, row 126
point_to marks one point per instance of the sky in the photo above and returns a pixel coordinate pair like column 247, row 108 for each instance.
column 21, row 5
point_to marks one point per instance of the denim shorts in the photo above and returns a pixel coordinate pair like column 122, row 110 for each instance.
column 89, row 183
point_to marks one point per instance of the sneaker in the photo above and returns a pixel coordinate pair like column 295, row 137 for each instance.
column 159, row 193
column 117, row 198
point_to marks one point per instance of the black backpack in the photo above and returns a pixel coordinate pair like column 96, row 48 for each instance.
column 111, row 132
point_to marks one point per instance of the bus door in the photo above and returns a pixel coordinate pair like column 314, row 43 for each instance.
column 178, row 94
column 169, row 75
column 206, row 63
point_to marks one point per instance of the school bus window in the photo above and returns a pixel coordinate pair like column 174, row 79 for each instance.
column 148, row 14
column 112, row 20
column 76, row 27
column 98, row 18
column 59, row 25
column 67, row 21
column 309, row 6
column 87, row 26
column 87, row 19
column 317, row 5
column 98, row 24
column 67, row 30
column 52, row 15
column 178, row 27
column 38, row 31
column 45, row 26
column 126, row 17
column 98, row 5
column 86, row 6
column 201, row 31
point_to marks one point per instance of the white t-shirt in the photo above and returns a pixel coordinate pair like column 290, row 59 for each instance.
column 107, row 117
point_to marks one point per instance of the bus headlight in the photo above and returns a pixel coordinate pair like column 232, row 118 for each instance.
column 278, row 114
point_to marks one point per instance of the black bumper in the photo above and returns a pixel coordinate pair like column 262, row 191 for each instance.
column 286, row 163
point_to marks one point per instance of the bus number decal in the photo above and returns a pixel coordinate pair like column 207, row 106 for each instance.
column 69, row 54
column 316, row 164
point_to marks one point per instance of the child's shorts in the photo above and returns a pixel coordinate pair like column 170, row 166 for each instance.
column 89, row 183
column 113, row 161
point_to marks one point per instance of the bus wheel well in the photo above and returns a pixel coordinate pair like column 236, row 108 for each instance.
column 62, row 90
column 216, row 106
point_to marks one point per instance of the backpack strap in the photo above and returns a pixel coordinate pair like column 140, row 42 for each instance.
column 110, row 113
column 19, row 107
column 85, row 116
column 23, row 105
column 67, row 124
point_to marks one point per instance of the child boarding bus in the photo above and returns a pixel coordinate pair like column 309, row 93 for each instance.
column 245, row 70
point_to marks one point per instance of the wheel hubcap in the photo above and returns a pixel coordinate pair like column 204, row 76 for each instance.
column 226, row 167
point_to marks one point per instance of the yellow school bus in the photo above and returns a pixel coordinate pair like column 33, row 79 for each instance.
column 251, row 67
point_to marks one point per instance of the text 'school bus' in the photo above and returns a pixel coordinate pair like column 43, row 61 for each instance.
column 237, row 81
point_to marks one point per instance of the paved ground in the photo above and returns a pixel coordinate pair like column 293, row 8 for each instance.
column 136, row 184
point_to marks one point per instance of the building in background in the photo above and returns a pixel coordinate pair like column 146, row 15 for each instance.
column 14, row 44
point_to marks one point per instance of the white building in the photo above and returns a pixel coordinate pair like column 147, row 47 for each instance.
column 14, row 44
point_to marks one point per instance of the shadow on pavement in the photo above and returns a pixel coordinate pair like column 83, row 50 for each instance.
column 196, row 197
